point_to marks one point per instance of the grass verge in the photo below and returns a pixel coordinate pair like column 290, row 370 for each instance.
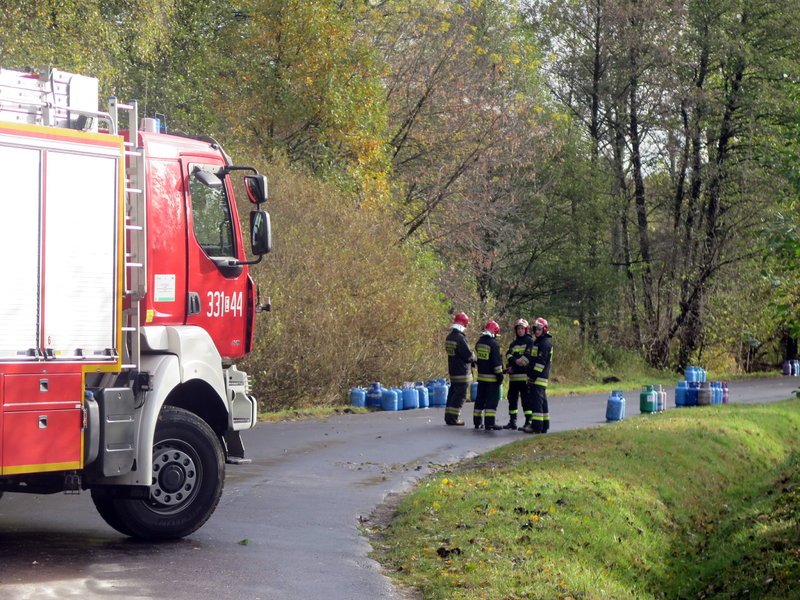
column 687, row 504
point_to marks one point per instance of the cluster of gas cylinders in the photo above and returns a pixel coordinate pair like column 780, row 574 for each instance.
column 407, row 396
column 791, row 367
column 695, row 390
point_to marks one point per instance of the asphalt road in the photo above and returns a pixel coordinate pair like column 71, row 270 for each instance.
column 287, row 525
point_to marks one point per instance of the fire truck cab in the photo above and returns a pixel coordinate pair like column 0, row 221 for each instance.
column 126, row 301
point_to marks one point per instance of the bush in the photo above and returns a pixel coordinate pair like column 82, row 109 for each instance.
column 351, row 304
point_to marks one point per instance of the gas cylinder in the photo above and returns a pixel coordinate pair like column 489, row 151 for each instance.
column 788, row 367
column 621, row 395
column 704, row 394
column 389, row 400
column 358, row 397
column 439, row 393
column 422, row 394
column 680, row 393
column 647, row 400
column 374, row 395
column 725, row 396
column 691, row 393
column 410, row 398
column 473, row 391
column 692, row 374
column 661, row 398
column 615, row 407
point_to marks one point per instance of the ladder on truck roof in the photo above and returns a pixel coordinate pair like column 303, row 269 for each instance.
column 135, row 235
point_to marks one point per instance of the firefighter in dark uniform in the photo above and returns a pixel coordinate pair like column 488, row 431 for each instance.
column 490, row 378
column 518, row 358
column 459, row 367
column 538, row 374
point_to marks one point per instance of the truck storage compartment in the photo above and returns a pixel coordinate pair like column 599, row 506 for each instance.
column 43, row 391
column 41, row 440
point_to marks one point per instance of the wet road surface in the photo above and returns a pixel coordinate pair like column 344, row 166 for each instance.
column 287, row 527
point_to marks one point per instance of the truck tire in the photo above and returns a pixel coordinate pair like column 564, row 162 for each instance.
column 188, row 476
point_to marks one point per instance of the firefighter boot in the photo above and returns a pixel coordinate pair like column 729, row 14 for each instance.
column 512, row 422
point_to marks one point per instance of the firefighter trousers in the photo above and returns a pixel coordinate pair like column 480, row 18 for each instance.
column 540, row 417
column 486, row 404
column 456, row 396
column 517, row 394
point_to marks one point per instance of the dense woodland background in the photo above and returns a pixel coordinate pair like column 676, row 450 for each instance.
column 626, row 168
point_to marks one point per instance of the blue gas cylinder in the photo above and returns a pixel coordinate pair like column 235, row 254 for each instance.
column 692, row 374
column 691, row 393
column 389, row 400
column 615, row 408
column 358, row 397
column 680, row 393
column 439, row 393
column 410, row 398
column 422, row 394
column 473, row 391
column 374, row 395
column 621, row 395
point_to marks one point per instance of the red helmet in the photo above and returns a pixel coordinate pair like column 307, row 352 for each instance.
column 541, row 323
column 492, row 327
column 461, row 319
column 521, row 323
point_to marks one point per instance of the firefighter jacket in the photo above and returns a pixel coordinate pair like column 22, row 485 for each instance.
column 490, row 361
column 541, row 356
column 459, row 357
column 520, row 348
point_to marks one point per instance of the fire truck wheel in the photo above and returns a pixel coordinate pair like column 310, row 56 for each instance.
column 188, row 475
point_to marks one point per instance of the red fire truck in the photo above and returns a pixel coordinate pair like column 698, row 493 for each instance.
column 126, row 299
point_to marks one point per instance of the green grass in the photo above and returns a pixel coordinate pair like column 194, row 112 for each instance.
column 691, row 503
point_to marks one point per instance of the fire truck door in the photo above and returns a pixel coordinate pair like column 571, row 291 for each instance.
column 217, row 291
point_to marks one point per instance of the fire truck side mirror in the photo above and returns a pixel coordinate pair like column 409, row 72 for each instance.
column 260, row 232
column 256, row 186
